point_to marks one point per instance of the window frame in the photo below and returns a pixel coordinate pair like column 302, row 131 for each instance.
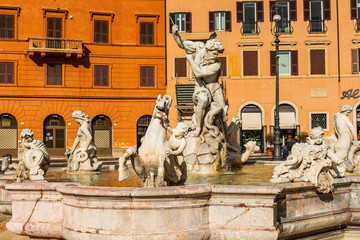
column 258, row 62
column 320, row 112
column 290, row 63
column 14, row 73
column 179, row 25
column 358, row 9
column 155, row 76
column 109, row 76
column 15, row 11
column 220, row 19
column 288, row 20
column 154, row 18
column 101, row 16
column 244, row 22
column 322, row 16
column 62, row 75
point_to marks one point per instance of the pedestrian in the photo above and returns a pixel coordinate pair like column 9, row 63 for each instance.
column 293, row 142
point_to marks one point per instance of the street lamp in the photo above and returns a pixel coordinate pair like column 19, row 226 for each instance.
column 277, row 144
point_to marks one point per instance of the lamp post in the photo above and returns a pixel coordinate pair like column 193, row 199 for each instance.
column 277, row 143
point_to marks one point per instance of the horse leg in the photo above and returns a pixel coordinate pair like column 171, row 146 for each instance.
column 161, row 172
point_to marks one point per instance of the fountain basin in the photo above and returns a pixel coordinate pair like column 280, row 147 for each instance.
column 266, row 211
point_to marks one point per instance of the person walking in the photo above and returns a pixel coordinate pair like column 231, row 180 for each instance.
column 293, row 142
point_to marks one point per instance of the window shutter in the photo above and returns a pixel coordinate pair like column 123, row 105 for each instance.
column 172, row 15
column 188, row 22
column 250, row 63
column 327, row 10
column 105, row 76
column 293, row 12
column 272, row 63
column 211, row 21
column 272, row 10
column 10, row 27
column 306, row 10
column 50, row 27
column 50, row 74
column 260, row 11
column 353, row 9
column 317, row 61
column 58, row 74
column 239, row 11
column 10, row 72
column 355, row 61
column 180, row 67
column 151, row 77
column 294, row 63
column 228, row 21
column 97, row 76
column 58, row 27
column 222, row 60
column 143, row 76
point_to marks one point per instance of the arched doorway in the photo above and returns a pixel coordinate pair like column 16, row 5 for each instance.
column 251, row 127
column 8, row 135
column 288, row 126
column 54, row 135
column 141, row 127
column 102, row 134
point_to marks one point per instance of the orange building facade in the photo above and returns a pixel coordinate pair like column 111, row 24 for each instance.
column 105, row 58
column 319, row 60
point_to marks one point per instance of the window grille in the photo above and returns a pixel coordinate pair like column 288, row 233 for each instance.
column 319, row 120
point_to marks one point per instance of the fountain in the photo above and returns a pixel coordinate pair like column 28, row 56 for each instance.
column 309, row 193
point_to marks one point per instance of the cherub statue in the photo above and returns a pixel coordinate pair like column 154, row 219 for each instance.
column 312, row 162
column 36, row 159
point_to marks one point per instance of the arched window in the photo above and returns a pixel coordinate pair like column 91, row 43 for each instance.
column 54, row 135
column 8, row 135
column 141, row 127
column 102, row 134
column 251, row 127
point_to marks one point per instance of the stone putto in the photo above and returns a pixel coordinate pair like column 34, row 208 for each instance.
column 35, row 161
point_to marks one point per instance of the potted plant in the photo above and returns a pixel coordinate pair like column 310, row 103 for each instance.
column 270, row 137
column 302, row 136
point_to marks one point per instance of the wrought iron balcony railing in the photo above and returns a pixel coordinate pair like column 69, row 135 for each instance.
column 284, row 27
column 250, row 28
column 317, row 26
column 55, row 45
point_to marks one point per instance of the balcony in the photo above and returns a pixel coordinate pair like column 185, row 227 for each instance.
column 317, row 26
column 55, row 46
column 284, row 27
column 250, row 28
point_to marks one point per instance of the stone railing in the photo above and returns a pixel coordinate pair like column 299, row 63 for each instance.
column 60, row 45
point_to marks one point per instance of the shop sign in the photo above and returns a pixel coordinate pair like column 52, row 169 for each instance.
column 350, row 94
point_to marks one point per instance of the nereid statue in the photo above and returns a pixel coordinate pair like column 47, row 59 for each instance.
column 35, row 161
column 159, row 162
column 83, row 158
column 206, row 145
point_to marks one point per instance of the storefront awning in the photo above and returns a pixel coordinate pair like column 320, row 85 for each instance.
column 251, row 121
column 287, row 120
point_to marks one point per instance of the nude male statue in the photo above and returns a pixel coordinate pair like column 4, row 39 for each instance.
column 206, row 69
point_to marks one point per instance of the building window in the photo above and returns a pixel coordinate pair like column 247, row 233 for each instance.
column 317, row 61
column 288, row 63
column 7, row 26
column 54, row 74
column 54, row 30
column 222, row 60
column 355, row 13
column 319, row 120
column 101, row 31
column 287, row 11
column 180, row 67
column 183, row 20
column 250, row 13
column 180, row 21
column 316, row 11
column 101, row 75
column 6, row 73
column 250, row 63
column 147, row 33
column 147, row 76
column 220, row 21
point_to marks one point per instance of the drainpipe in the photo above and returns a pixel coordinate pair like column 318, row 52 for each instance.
column 338, row 37
column 166, row 17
